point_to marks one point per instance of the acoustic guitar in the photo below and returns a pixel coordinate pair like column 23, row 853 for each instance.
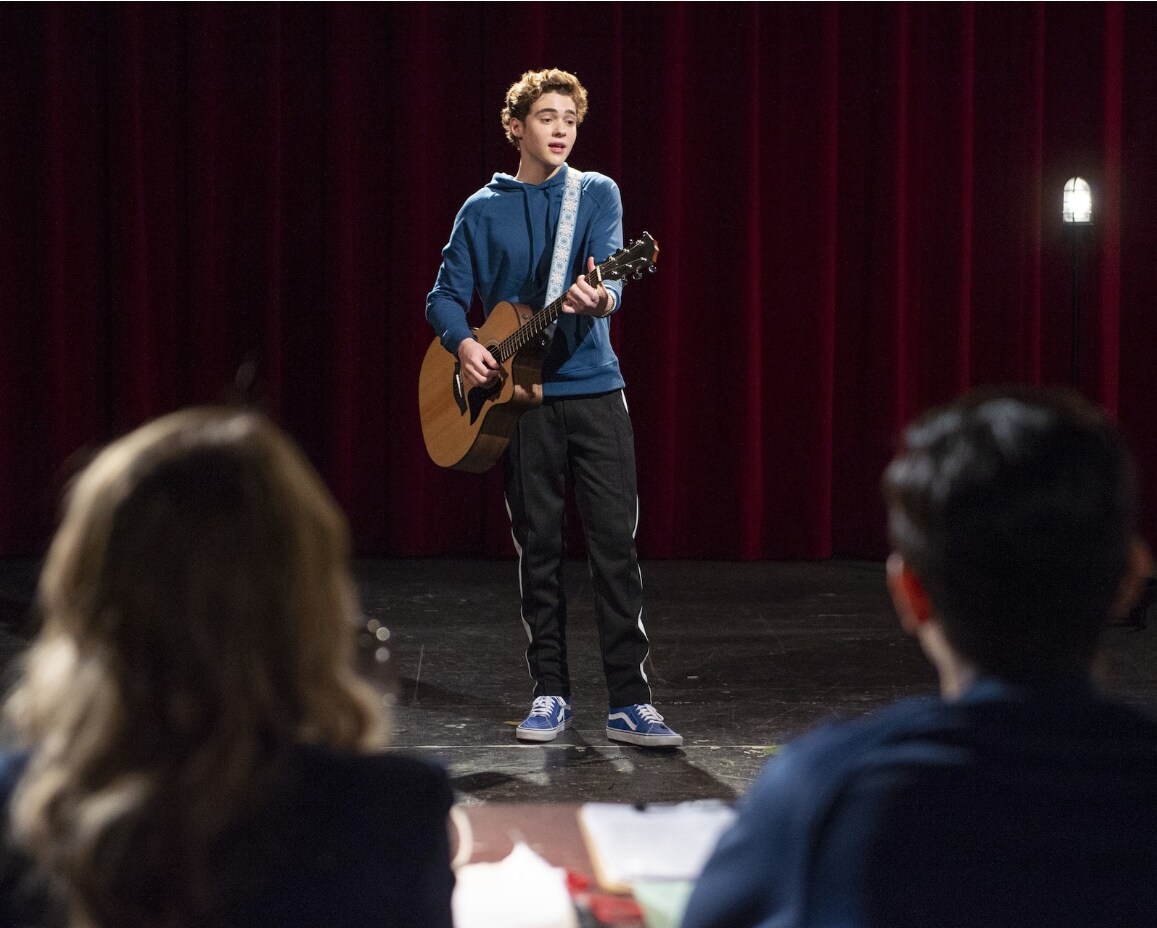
column 469, row 430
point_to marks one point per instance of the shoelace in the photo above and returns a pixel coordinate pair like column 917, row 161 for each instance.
column 647, row 712
column 543, row 705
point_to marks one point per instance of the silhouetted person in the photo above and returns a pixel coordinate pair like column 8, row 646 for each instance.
column 1021, row 797
column 193, row 746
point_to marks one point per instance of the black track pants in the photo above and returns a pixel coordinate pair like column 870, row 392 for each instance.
column 590, row 439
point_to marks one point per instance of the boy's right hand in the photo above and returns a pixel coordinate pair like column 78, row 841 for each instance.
column 476, row 364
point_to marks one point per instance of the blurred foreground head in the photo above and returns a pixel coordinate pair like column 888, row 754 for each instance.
column 1016, row 511
column 198, row 623
column 199, row 583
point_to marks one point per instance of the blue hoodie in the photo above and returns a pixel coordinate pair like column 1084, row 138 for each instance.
column 501, row 247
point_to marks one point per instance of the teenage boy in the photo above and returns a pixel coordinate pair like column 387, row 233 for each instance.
column 1021, row 797
column 503, row 247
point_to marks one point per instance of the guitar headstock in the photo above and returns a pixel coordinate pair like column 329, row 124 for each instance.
column 632, row 260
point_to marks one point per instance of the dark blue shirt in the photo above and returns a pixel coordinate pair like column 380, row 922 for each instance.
column 343, row 840
column 1006, row 807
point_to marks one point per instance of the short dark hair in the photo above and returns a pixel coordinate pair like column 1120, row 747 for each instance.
column 1016, row 509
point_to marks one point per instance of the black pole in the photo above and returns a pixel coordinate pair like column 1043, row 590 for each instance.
column 1075, row 344
column 1079, row 234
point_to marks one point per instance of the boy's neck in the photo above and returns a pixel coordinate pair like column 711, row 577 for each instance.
column 534, row 174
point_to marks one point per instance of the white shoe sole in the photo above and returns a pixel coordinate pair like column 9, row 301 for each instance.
column 541, row 734
column 645, row 741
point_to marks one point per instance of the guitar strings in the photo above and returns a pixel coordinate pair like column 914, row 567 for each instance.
column 536, row 325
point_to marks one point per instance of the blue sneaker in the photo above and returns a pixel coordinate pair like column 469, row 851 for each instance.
column 641, row 724
column 548, row 716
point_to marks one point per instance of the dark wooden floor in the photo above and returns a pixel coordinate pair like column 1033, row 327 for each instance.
column 744, row 656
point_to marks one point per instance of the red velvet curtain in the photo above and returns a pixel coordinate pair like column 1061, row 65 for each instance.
column 857, row 205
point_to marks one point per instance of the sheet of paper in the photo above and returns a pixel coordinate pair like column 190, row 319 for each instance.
column 628, row 844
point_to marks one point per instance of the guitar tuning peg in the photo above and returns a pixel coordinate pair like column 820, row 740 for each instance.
column 638, row 275
column 651, row 269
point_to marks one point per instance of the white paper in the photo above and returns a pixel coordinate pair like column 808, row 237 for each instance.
column 658, row 842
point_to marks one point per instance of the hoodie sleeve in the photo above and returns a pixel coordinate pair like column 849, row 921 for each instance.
column 448, row 302
column 606, row 232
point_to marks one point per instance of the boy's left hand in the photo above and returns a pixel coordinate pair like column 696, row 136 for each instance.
column 584, row 299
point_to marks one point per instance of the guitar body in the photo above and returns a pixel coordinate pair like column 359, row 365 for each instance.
column 471, row 431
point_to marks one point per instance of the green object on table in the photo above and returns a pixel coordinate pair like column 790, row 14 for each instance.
column 663, row 902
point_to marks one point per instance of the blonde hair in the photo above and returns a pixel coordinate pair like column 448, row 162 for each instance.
column 199, row 619
column 532, row 85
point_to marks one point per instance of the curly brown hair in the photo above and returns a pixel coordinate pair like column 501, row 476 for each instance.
column 532, row 85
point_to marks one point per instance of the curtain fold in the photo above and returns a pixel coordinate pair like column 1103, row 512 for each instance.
column 857, row 208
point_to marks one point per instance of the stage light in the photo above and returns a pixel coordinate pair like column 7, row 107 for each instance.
column 1078, row 202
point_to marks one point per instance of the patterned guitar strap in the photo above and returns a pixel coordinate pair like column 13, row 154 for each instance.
column 563, row 242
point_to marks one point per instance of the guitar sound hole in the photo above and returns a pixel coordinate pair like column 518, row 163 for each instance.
column 478, row 397
column 487, row 391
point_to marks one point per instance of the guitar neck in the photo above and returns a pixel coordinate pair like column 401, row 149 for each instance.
column 538, row 323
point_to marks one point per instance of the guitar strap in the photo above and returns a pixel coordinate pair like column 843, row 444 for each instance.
column 563, row 241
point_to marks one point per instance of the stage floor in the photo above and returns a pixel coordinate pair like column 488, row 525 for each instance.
column 743, row 657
